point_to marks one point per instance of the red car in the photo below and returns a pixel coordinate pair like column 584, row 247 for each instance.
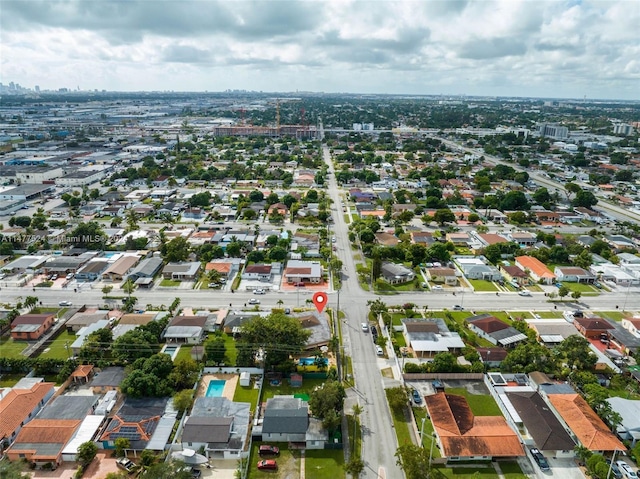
column 267, row 450
column 268, row 465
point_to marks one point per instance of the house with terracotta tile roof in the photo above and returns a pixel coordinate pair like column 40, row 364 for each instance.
column 464, row 436
column 19, row 406
column 584, row 424
column 31, row 326
column 537, row 269
column 42, row 441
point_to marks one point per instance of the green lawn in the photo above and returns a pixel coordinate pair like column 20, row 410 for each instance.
column 550, row 314
column 464, row 472
column 324, row 464
column 400, row 341
column 502, row 315
column 481, row 285
column 480, row 404
column 232, row 352
column 184, row 352
column 583, row 288
column 614, row 315
column 401, row 425
column 246, row 394
column 421, row 413
column 9, row 380
column 10, row 348
column 58, row 348
column 355, row 435
column 511, row 470
column 522, row 314
column 308, row 385
column 288, row 463
column 170, row 283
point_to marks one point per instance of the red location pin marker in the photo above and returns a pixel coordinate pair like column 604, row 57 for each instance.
column 320, row 300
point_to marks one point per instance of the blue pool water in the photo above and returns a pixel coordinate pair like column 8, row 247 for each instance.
column 171, row 351
column 216, row 386
column 311, row 361
column 110, row 255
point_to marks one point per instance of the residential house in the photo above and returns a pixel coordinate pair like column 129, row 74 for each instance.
column 586, row 240
column 632, row 325
column 286, row 419
column 92, row 270
column 394, row 273
column 387, row 239
column 477, row 267
column 459, row 239
column 147, row 269
column 31, row 327
column 514, row 275
column 492, row 357
column 524, row 239
column 234, row 321
column 217, row 426
column 583, row 424
column 303, row 272
column 424, row 238
column 318, row 326
column 41, row 441
column 551, row 332
column 84, row 318
column 538, row 425
column 146, row 422
column 629, row 410
column 308, row 241
column 623, row 340
column 463, row 436
column 428, row 337
column 442, row 275
column 537, row 269
column 108, row 379
column 84, row 333
column 592, row 328
column 119, row 268
column 572, row 274
column 185, row 329
column 194, row 214
column 225, row 268
column 614, row 273
column 495, row 331
column 620, row 242
column 64, row 265
column 19, row 406
column 127, row 322
column 182, row 271
column 261, row 272
column 278, row 208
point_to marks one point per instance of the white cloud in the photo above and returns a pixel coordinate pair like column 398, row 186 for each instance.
column 501, row 47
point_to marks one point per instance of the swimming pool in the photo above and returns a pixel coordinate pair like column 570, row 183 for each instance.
column 171, row 351
column 311, row 361
column 216, row 386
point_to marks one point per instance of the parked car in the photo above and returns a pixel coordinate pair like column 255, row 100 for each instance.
column 626, row 470
column 268, row 464
column 374, row 331
column 65, row 303
column 254, row 301
column 457, row 307
column 437, row 288
column 259, row 291
column 365, row 327
column 615, row 470
column 268, row 450
column 379, row 351
column 524, row 293
column 126, row 464
column 287, row 310
column 540, row 459
column 416, row 396
column 213, row 285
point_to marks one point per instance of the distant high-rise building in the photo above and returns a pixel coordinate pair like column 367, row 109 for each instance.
column 553, row 131
column 622, row 129
column 37, row 88
column 363, row 126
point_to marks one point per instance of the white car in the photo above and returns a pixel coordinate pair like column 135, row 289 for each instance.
column 365, row 327
column 259, row 291
column 626, row 470
column 65, row 303
column 524, row 293
column 437, row 288
column 379, row 351
column 254, row 301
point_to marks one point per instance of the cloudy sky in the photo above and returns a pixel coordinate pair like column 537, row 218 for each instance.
column 543, row 48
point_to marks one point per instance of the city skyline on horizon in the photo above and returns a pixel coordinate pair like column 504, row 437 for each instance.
column 572, row 49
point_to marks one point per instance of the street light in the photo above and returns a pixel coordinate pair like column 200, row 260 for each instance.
column 422, row 431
